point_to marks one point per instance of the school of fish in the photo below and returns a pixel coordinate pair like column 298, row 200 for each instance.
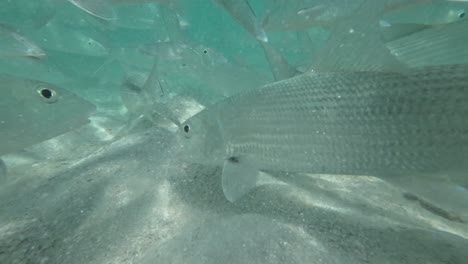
column 355, row 87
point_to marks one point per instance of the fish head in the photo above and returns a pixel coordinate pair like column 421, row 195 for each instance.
column 201, row 139
column 35, row 111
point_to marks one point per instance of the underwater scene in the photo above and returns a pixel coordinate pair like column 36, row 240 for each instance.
column 233, row 131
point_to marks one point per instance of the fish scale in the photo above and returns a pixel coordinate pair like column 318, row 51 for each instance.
column 384, row 124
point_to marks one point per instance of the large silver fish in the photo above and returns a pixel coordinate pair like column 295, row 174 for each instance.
column 386, row 124
column 33, row 111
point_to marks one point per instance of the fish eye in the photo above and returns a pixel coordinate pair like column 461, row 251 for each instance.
column 48, row 95
column 205, row 51
column 186, row 128
column 461, row 14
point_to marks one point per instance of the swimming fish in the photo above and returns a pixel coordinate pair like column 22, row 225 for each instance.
column 390, row 125
column 284, row 15
column 243, row 14
column 438, row 12
column 56, row 35
column 13, row 44
column 33, row 111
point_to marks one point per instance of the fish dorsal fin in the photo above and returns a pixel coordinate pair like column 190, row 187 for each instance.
column 240, row 176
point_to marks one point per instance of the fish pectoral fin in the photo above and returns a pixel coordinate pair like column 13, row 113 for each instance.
column 239, row 178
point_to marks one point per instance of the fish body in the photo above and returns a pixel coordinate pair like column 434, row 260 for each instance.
column 243, row 14
column 13, row 44
column 285, row 15
column 436, row 13
column 90, row 42
column 384, row 124
column 33, row 111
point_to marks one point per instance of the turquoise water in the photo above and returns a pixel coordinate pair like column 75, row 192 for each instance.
column 108, row 182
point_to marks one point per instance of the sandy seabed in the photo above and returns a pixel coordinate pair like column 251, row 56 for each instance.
column 134, row 201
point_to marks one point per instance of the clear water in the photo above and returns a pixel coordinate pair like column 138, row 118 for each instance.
column 115, row 190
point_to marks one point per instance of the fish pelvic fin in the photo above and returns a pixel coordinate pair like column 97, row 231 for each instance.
column 239, row 178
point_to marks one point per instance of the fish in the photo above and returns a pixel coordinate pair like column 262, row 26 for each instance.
column 243, row 14
column 34, row 111
column 356, row 44
column 56, row 35
column 14, row 44
column 433, row 45
column 391, row 125
column 287, row 15
column 436, row 13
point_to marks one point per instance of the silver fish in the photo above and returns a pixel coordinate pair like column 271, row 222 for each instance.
column 33, row 111
column 13, row 44
column 390, row 125
column 84, row 41
column 286, row 15
column 243, row 14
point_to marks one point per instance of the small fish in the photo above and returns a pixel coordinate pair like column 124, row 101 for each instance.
column 436, row 13
column 286, row 15
column 33, row 111
column 242, row 12
column 147, row 102
column 56, row 35
column 390, row 125
column 13, row 44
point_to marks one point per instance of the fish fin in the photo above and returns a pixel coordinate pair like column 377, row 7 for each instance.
column 279, row 66
column 242, row 12
column 436, row 45
column 392, row 32
column 435, row 209
column 239, row 178
column 154, row 92
column 172, row 24
column 101, row 9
